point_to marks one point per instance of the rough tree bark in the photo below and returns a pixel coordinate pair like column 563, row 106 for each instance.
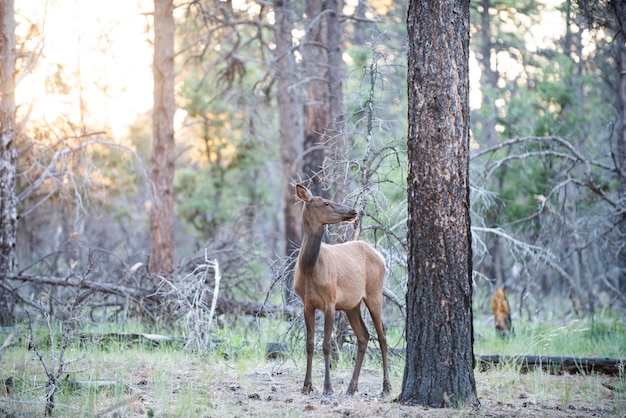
column 8, row 154
column 290, row 132
column 439, row 358
column 162, row 157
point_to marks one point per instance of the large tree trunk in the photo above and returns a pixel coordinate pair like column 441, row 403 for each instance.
column 289, row 109
column 162, row 157
column 316, row 108
column 439, row 360
column 8, row 155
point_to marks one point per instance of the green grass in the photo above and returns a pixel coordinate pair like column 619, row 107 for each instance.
column 604, row 337
column 235, row 379
column 176, row 380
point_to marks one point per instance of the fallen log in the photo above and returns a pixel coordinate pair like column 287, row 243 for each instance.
column 556, row 365
column 128, row 338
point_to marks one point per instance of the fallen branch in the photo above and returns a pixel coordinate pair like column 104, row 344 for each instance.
column 85, row 284
column 556, row 365
column 224, row 304
column 6, row 345
column 228, row 305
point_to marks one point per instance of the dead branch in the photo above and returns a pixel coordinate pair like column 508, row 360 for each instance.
column 6, row 345
column 228, row 305
column 572, row 154
column 86, row 284
column 56, row 168
column 224, row 305
column 189, row 296
column 397, row 300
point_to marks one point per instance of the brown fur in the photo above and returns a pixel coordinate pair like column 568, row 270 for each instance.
column 501, row 312
column 337, row 278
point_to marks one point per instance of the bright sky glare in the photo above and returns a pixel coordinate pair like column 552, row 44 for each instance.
column 103, row 47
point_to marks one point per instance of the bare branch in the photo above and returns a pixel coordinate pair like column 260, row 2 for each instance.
column 72, row 282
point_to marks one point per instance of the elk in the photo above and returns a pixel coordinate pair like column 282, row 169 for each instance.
column 337, row 278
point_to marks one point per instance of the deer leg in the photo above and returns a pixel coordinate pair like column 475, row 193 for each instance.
column 376, row 309
column 362, row 337
column 309, row 322
column 329, row 318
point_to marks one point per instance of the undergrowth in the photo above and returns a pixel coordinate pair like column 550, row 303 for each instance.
column 164, row 379
column 603, row 337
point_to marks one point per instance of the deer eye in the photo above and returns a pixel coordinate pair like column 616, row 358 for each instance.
column 327, row 203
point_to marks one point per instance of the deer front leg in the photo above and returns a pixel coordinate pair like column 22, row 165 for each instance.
column 329, row 318
column 309, row 322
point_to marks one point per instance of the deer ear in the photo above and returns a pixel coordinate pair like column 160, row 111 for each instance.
column 303, row 193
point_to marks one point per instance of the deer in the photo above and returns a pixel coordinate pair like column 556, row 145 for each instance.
column 334, row 278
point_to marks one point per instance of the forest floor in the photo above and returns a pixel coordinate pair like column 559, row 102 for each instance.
column 269, row 390
column 136, row 380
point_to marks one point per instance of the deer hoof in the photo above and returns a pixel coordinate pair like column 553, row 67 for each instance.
column 328, row 389
column 352, row 387
column 306, row 389
column 386, row 388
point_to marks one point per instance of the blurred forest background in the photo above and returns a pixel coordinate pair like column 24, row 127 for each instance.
column 267, row 94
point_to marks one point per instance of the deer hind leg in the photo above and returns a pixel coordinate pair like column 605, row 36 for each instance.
column 329, row 318
column 309, row 321
column 376, row 311
column 362, row 337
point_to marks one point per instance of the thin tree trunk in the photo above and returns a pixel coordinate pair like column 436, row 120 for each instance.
column 489, row 86
column 290, row 126
column 162, row 157
column 339, row 142
column 439, row 368
column 621, row 150
column 316, row 108
column 8, row 155
column 610, row 15
column 489, row 78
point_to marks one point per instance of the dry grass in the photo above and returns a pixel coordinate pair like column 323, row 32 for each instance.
column 236, row 380
column 167, row 382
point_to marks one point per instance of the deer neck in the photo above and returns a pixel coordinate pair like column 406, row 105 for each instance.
column 311, row 244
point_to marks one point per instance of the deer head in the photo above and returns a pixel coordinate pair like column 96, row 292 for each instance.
column 318, row 211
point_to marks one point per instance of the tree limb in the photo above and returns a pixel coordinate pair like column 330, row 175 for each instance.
column 224, row 304
column 86, row 284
